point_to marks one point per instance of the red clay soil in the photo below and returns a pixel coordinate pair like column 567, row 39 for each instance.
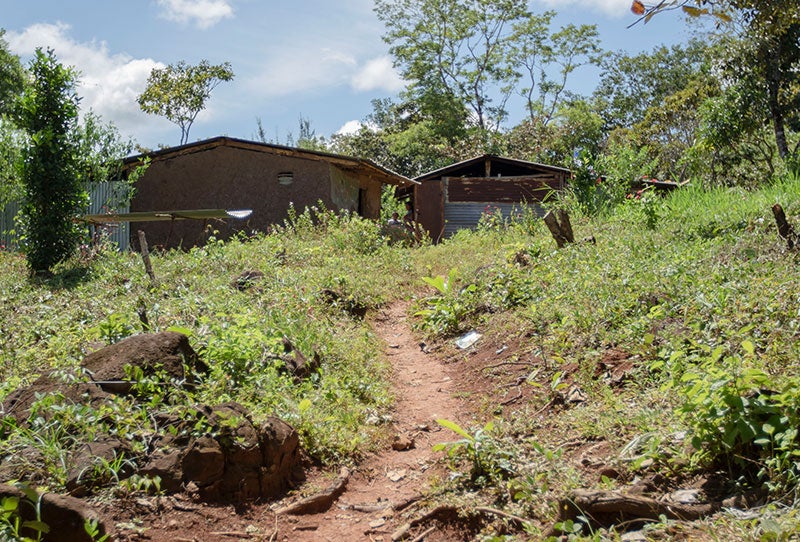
column 381, row 494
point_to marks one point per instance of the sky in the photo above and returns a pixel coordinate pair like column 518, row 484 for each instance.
column 321, row 60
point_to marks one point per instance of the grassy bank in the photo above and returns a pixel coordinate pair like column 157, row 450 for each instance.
column 695, row 290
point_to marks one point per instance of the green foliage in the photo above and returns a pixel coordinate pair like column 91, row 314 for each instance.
column 53, row 190
column 444, row 313
column 11, row 523
column 490, row 459
column 12, row 77
column 744, row 419
column 464, row 56
column 180, row 91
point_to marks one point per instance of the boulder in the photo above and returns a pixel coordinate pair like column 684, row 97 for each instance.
column 241, row 461
column 64, row 516
column 168, row 351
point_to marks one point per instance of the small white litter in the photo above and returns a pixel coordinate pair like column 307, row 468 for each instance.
column 468, row 339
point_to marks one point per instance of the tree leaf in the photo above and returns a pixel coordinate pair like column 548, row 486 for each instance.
column 452, row 426
column 694, row 12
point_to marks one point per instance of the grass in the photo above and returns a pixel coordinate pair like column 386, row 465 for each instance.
column 694, row 281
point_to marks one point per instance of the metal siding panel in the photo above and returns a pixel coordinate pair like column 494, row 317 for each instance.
column 103, row 197
column 7, row 224
column 460, row 216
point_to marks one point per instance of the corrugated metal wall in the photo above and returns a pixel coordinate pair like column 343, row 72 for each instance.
column 104, row 197
column 460, row 215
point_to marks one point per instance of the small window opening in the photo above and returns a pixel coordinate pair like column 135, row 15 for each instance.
column 285, row 178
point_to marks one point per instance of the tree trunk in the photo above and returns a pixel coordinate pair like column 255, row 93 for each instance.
column 772, row 57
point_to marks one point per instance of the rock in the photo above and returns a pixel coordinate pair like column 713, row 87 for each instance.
column 296, row 363
column 402, row 443
column 92, row 465
column 344, row 302
column 151, row 352
column 242, row 461
column 246, row 280
column 65, row 516
column 18, row 403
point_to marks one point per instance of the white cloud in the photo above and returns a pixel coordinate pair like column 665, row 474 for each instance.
column 203, row 13
column 350, row 127
column 294, row 69
column 109, row 83
column 378, row 74
column 612, row 8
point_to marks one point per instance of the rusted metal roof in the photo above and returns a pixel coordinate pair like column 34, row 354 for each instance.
column 497, row 165
column 362, row 165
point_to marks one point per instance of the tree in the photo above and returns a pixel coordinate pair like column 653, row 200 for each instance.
column 12, row 79
column 629, row 85
column 455, row 53
column 12, row 76
column 54, row 194
column 180, row 91
column 771, row 28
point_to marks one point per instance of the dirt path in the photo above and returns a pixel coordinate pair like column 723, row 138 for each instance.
column 423, row 393
column 368, row 508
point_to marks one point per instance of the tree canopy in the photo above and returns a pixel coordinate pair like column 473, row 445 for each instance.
column 180, row 91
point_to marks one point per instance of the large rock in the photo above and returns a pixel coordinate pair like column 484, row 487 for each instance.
column 169, row 352
column 241, row 461
column 64, row 516
column 18, row 403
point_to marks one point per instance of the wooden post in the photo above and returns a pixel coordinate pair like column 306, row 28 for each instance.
column 785, row 230
column 566, row 227
column 146, row 257
column 561, row 232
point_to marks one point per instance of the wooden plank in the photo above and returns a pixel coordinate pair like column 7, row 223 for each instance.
column 153, row 216
column 534, row 188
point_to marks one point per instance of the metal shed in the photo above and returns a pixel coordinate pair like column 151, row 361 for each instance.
column 455, row 197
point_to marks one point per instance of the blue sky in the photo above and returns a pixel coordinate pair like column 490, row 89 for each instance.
column 323, row 60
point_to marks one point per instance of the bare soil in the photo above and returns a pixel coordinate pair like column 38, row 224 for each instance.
column 382, row 493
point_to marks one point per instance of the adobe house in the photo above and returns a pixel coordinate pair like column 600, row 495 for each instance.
column 229, row 173
column 454, row 197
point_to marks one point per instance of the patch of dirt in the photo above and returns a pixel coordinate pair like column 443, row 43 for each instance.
column 381, row 494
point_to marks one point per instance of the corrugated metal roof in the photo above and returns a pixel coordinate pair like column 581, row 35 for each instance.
column 452, row 170
column 349, row 162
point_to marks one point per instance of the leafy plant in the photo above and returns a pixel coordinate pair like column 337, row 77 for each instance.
column 490, row 460
column 13, row 525
column 445, row 312
column 746, row 420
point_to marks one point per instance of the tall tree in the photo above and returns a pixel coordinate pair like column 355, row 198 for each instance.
column 54, row 194
column 455, row 52
column 180, row 91
column 629, row 85
column 12, row 76
column 12, row 80
column 771, row 28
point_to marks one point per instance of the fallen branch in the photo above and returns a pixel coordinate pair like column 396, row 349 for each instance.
column 519, row 521
column 321, row 501
column 401, row 533
column 607, row 508
column 421, row 537
column 517, row 397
